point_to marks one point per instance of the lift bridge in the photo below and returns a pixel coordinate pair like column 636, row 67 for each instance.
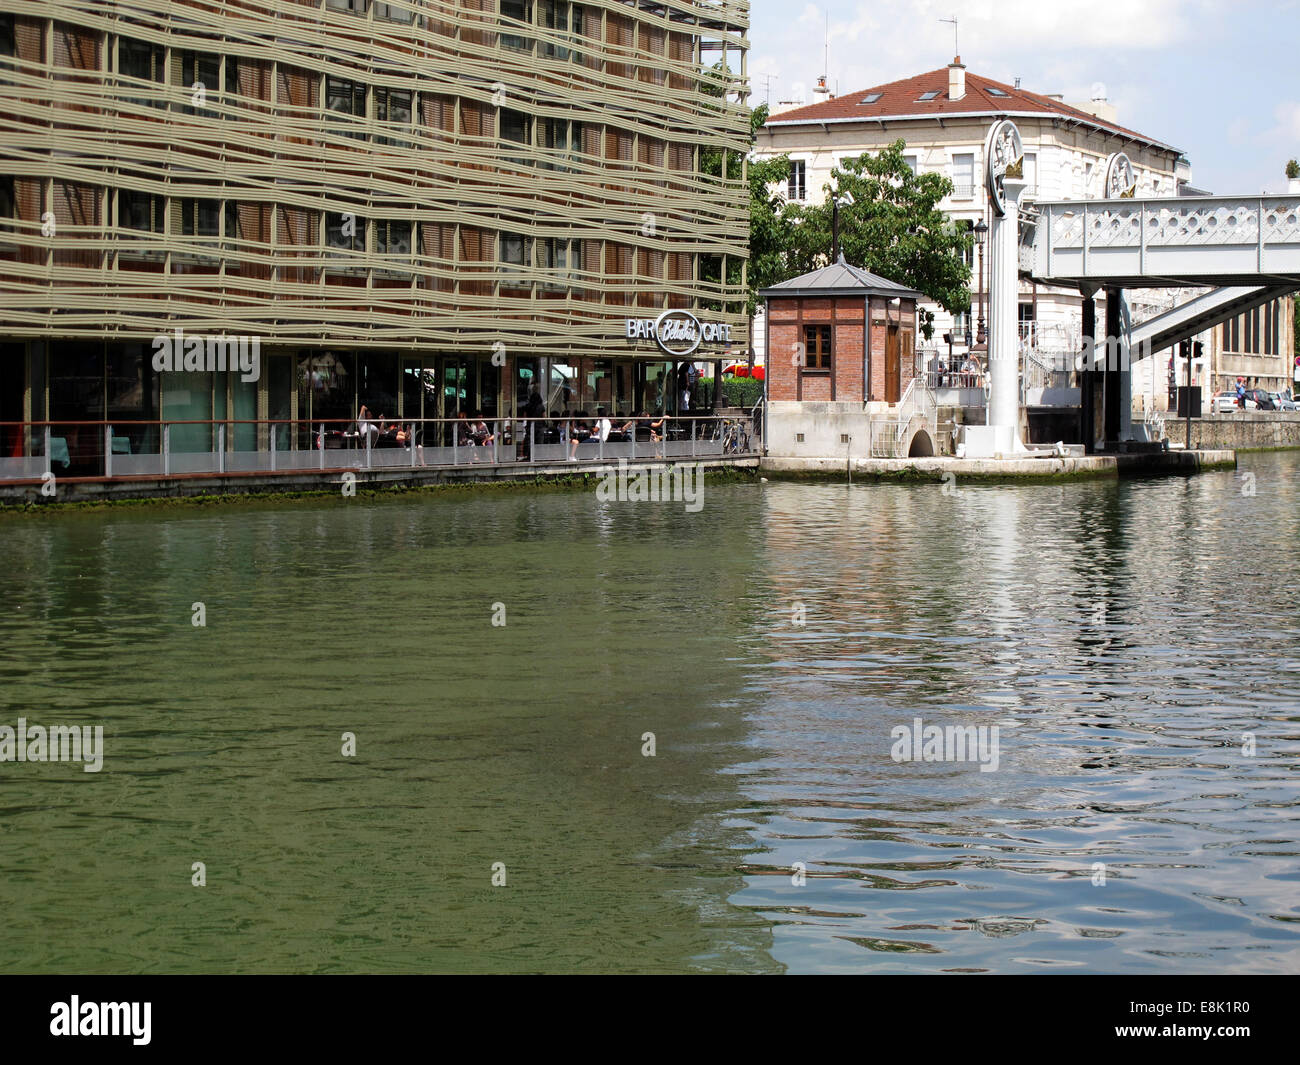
column 1245, row 248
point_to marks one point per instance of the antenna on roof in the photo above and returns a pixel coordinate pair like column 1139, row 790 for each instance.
column 826, row 57
column 767, row 86
column 956, row 49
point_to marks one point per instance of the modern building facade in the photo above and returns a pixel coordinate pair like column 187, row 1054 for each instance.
column 425, row 207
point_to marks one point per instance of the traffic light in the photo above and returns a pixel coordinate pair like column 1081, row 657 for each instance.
column 1198, row 351
column 1184, row 349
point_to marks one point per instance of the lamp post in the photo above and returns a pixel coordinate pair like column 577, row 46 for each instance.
column 838, row 198
column 981, row 231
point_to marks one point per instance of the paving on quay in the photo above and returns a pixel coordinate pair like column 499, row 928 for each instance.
column 1046, row 467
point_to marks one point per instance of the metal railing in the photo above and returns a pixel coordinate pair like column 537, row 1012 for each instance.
column 126, row 450
column 915, row 410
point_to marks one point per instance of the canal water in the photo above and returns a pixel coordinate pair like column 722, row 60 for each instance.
column 500, row 659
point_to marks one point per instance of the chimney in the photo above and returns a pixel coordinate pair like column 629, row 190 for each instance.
column 956, row 79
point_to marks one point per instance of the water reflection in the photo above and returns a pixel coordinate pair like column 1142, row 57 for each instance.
column 1123, row 638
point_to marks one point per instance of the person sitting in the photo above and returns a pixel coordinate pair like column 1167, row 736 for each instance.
column 602, row 428
column 579, row 432
column 464, row 430
column 480, row 432
column 367, row 430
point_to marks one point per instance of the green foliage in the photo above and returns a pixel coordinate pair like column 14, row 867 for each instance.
column 1293, row 169
column 741, row 391
column 893, row 228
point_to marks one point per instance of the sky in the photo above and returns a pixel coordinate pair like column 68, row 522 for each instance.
column 1218, row 79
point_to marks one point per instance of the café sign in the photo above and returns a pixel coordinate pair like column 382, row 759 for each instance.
column 678, row 333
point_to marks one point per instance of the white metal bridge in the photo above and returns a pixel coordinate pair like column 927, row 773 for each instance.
column 1220, row 241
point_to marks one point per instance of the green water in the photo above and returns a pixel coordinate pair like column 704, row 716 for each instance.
column 1124, row 636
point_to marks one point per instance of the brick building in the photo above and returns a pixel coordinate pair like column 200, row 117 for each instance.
column 841, row 353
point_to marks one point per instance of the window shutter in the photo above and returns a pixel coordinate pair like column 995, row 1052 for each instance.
column 29, row 39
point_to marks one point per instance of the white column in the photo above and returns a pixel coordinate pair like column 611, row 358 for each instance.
column 1003, row 329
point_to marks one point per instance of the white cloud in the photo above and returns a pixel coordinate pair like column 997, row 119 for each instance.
column 1048, row 42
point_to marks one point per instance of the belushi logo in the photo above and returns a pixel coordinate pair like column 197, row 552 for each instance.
column 678, row 332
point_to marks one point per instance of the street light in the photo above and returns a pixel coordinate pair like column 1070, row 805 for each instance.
column 837, row 198
column 981, row 231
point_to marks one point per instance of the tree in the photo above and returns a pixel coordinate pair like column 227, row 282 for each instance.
column 770, row 228
column 1293, row 169
column 893, row 228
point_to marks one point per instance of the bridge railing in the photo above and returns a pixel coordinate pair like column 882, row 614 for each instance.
column 1167, row 237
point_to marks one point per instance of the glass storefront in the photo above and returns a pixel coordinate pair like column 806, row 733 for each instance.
column 307, row 389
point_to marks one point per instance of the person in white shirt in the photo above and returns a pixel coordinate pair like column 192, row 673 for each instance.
column 603, row 426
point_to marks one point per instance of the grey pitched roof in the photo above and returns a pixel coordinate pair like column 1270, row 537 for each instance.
column 841, row 279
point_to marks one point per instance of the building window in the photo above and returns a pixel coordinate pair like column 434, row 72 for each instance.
column 140, row 210
column 555, row 136
column 345, row 232
column 1031, row 173
column 346, row 99
column 147, row 62
column 520, row 11
column 963, row 176
column 201, row 218
column 8, row 40
column 395, row 12
column 555, row 17
column 392, row 237
column 1026, row 319
column 558, row 257
column 966, row 226
column 200, row 75
column 393, row 108
column 516, row 127
column 516, row 250
column 798, row 190
column 817, row 346
column 910, row 160
column 357, row 7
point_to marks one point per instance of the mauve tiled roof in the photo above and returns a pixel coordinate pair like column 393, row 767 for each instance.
column 843, row 278
column 901, row 99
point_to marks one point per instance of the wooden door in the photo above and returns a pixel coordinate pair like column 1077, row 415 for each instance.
column 893, row 377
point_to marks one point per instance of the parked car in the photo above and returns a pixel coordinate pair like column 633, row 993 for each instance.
column 1284, row 401
column 1223, row 403
column 1263, row 401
